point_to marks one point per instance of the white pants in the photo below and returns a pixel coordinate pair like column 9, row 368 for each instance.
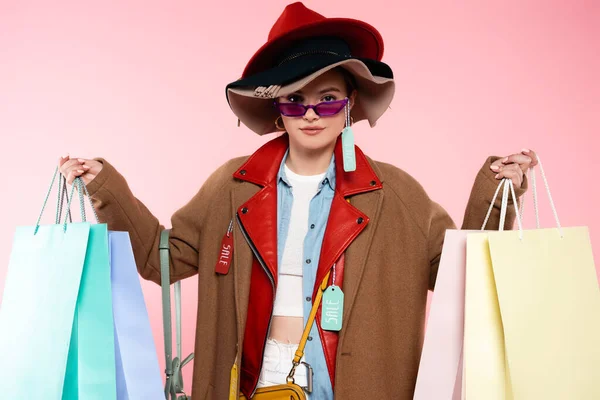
column 277, row 363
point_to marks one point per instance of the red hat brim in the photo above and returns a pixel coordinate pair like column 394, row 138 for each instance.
column 363, row 39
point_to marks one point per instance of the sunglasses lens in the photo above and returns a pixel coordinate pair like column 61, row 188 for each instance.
column 330, row 108
column 291, row 109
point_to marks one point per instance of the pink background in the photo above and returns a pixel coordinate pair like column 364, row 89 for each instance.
column 142, row 84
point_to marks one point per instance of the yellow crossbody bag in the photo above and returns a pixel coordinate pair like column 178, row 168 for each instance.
column 288, row 390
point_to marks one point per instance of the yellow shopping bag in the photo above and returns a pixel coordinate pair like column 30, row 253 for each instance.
column 543, row 308
column 550, row 304
column 486, row 374
column 484, row 362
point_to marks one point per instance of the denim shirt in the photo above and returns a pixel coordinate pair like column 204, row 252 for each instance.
column 317, row 221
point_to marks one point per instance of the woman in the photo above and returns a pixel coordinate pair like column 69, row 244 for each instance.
column 305, row 205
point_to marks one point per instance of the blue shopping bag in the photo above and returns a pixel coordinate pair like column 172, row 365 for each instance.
column 38, row 305
column 138, row 373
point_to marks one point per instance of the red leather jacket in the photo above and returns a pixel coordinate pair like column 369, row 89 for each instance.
column 257, row 218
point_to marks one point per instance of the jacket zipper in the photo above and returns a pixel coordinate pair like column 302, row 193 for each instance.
column 262, row 264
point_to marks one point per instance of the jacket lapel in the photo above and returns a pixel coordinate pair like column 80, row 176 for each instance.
column 242, row 257
column 347, row 220
column 254, row 201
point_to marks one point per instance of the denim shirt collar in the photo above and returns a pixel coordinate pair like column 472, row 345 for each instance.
column 329, row 175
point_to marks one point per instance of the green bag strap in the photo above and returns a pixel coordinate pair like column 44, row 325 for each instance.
column 174, row 378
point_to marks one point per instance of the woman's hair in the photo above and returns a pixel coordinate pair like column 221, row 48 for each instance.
column 348, row 79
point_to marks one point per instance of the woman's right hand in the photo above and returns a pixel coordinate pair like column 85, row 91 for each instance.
column 72, row 168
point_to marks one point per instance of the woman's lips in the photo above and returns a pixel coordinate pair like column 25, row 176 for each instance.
column 313, row 130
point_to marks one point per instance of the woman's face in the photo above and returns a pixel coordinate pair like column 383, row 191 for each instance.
column 312, row 132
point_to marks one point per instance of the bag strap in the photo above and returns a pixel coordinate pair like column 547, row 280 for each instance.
column 174, row 378
column 165, row 284
column 311, row 319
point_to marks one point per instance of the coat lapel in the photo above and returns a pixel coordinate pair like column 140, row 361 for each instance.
column 357, row 253
column 349, row 234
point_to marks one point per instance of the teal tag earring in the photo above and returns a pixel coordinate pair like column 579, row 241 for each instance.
column 348, row 153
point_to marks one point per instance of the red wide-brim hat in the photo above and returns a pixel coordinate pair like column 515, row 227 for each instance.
column 297, row 22
column 302, row 46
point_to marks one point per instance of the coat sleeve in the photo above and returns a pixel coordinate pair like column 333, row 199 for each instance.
column 116, row 206
column 480, row 199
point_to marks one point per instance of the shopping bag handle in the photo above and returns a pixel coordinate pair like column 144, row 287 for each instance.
column 80, row 189
column 173, row 366
column 535, row 197
column 507, row 183
column 519, row 213
column 509, row 187
column 62, row 193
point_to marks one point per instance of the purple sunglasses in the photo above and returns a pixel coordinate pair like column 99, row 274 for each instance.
column 323, row 109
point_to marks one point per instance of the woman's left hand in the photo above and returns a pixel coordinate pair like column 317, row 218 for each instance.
column 515, row 166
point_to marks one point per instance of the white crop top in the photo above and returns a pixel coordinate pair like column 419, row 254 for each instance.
column 288, row 299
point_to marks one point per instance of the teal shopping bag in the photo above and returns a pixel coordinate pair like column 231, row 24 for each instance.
column 90, row 372
column 38, row 305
